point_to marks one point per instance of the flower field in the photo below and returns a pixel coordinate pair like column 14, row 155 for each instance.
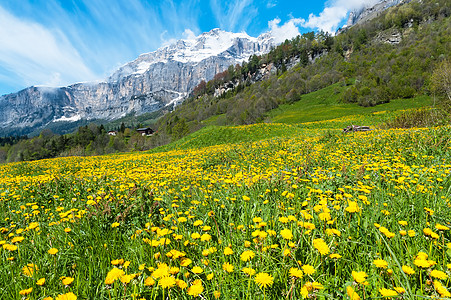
column 313, row 215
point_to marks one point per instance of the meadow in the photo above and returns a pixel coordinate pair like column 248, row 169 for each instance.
column 266, row 211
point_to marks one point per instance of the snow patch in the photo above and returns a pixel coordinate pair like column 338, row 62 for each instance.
column 68, row 119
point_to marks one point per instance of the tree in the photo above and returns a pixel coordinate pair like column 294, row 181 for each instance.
column 441, row 79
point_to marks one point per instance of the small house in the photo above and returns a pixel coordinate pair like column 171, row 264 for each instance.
column 112, row 132
column 145, row 131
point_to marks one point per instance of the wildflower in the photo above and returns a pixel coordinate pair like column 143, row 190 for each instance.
column 166, row 282
column 388, row 293
column 441, row 289
column 210, row 276
column 181, row 284
column 149, row 281
column 286, row 234
column 400, row 290
column 408, row 270
column 29, row 269
column 308, row 269
column 439, row 274
column 264, row 280
column 67, row 280
column 197, row 270
column 335, row 255
column 227, row 267
column 26, row 292
column 380, row 263
column 115, row 224
column 52, row 251
column 185, row 262
column 441, row 227
column 411, row 233
column 402, row 223
column 198, row 223
column 205, row 237
column 321, row 246
column 41, row 282
column 114, row 275
column 352, row 207
column 351, row 293
column 196, row 288
column 216, row 294
column 295, row 272
column 359, row 277
column 67, row 230
column 126, row 278
column 248, row 271
column 247, row 255
column 68, row 296
column 228, row 251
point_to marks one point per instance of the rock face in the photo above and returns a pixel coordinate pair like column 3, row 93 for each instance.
column 154, row 80
column 367, row 13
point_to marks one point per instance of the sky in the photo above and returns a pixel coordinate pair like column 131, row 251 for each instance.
column 60, row 42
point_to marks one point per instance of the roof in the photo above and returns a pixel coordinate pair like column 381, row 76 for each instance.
column 143, row 129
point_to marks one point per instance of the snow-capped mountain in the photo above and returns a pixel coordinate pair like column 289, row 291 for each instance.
column 150, row 82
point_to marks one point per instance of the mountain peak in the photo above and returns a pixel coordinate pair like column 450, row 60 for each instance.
column 215, row 42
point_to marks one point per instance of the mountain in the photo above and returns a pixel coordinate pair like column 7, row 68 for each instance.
column 150, row 82
column 370, row 12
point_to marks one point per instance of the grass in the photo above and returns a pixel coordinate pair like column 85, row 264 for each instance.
column 325, row 104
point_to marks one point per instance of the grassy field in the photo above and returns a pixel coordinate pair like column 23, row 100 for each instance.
column 266, row 211
column 326, row 104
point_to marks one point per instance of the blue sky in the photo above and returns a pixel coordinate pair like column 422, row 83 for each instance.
column 56, row 43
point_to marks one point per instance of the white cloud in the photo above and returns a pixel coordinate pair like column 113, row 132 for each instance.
column 38, row 55
column 189, row 34
column 334, row 13
column 286, row 31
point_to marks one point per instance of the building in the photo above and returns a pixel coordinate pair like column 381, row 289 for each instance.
column 145, row 131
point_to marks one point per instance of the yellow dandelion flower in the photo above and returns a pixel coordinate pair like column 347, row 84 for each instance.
column 388, row 293
column 149, row 281
column 67, row 296
column 380, row 263
column 308, row 269
column 166, row 282
column 40, row 282
column 29, row 270
column 195, row 289
column 295, row 272
column 408, row 270
column 351, row 293
column 197, row 270
column 247, row 255
column 359, row 277
column 439, row 274
column 67, row 280
column 441, row 289
column 26, row 291
column 286, row 234
column 321, row 246
column 52, row 251
column 227, row 267
column 249, row 271
column 264, row 280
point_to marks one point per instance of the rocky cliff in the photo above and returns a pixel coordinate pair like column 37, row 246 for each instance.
column 369, row 12
column 150, row 82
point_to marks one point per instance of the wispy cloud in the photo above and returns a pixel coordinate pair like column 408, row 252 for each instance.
column 233, row 15
column 334, row 13
column 37, row 54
